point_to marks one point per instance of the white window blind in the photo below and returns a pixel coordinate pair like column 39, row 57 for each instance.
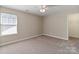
column 8, row 24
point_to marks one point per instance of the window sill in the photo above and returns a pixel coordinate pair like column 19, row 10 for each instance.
column 8, row 35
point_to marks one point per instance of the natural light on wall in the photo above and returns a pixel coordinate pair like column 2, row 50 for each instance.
column 73, row 25
column 8, row 24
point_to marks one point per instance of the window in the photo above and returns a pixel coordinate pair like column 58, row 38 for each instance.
column 8, row 24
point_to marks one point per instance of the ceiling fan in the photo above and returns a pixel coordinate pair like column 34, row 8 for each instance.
column 43, row 8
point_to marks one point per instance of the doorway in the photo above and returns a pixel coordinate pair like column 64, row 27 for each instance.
column 73, row 26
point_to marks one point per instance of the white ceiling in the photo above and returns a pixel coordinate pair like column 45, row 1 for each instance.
column 35, row 9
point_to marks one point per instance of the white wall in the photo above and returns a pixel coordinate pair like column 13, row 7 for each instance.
column 28, row 25
column 74, row 25
column 56, row 26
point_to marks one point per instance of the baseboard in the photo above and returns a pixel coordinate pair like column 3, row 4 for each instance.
column 56, row 36
column 14, row 41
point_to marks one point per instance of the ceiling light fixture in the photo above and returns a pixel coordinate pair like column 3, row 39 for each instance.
column 43, row 8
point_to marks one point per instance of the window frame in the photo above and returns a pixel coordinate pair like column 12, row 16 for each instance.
column 9, row 24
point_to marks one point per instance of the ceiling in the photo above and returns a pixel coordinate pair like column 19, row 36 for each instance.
column 35, row 9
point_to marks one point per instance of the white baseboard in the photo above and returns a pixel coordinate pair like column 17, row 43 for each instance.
column 14, row 41
column 56, row 36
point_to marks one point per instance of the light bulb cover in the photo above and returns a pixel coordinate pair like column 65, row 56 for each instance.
column 42, row 10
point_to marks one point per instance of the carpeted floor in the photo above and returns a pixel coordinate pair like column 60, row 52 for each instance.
column 42, row 45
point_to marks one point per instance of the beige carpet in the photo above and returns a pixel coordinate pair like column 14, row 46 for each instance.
column 42, row 45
